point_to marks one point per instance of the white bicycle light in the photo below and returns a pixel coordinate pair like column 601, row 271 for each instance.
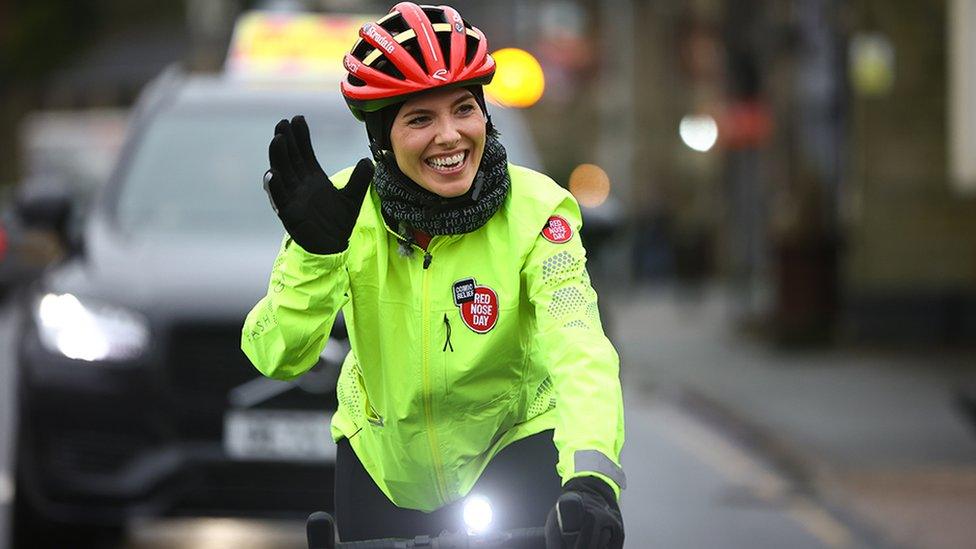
column 477, row 514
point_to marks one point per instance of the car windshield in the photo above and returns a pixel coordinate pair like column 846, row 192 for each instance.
column 200, row 171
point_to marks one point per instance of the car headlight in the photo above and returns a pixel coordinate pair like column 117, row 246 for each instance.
column 89, row 331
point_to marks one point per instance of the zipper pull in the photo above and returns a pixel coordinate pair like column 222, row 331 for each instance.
column 447, row 342
column 427, row 259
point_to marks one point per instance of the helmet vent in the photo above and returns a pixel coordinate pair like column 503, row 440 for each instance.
column 444, row 41
column 362, row 49
column 472, row 47
column 388, row 68
column 435, row 14
column 413, row 49
column 395, row 25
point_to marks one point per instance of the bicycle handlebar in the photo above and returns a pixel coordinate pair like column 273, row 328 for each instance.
column 320, row 528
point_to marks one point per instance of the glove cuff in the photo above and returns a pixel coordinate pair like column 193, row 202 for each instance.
column 316, row 261
column 593, row 485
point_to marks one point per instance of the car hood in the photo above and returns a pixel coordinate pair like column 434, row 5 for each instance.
column 205, row 276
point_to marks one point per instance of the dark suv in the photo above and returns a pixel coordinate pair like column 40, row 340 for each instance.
column 134, row 396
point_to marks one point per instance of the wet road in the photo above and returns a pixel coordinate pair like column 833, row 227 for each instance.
column 689, row 485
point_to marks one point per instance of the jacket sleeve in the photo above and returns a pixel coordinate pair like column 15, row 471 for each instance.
column 284, row 334
column 583, row 364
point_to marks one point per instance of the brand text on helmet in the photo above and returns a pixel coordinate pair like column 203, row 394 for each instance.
column 381, row 41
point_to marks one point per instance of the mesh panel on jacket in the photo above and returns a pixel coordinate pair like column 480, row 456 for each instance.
column 545, row 399
column 573, row 301
column 350, row 393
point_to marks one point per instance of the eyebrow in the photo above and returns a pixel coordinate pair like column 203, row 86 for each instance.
column 418, row 110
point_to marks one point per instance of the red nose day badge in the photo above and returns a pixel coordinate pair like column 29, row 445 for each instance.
column 557, row 230
column 478, row 305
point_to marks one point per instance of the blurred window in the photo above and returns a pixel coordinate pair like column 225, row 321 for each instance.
column 201, row 172
column 78, row 147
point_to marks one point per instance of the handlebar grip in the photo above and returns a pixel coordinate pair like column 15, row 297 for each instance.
column 390, row 543
column 320, row 531
column 525, row 538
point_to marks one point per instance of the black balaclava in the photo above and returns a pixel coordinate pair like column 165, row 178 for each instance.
column 405, row 204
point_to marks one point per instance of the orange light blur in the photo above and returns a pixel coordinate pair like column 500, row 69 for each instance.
column 518, row 81
column 590, row 185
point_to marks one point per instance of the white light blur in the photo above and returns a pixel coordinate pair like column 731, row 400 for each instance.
column 72, row 327
column 477, row 514
column 698, row 131
column 58, row 310
column 81, row 332
column 83, row 343
column 215, row 533
column 219, row 533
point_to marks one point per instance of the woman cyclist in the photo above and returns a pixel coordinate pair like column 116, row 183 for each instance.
column 478, row 361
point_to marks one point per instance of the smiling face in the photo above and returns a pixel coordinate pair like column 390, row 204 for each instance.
column 438, row 140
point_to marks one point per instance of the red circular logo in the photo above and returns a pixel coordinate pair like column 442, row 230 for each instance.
column 481, row 313
column 557, row 230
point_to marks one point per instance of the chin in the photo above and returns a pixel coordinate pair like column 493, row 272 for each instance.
column 448, row 188
column 452, row 190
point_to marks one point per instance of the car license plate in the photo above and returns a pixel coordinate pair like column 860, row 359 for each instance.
column 278, row 435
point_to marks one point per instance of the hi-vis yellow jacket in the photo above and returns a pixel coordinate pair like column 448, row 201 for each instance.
column 457, row 351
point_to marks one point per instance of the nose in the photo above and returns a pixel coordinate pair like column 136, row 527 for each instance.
column 447, row 133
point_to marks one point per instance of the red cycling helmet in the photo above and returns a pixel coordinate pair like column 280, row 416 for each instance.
column 411, row 50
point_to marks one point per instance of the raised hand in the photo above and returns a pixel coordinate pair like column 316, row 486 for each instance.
column 318, row 216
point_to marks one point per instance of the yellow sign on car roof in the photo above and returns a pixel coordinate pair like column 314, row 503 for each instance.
column 292, row 45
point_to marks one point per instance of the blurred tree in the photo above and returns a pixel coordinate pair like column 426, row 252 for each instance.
column 38, row 37
column 35, row 36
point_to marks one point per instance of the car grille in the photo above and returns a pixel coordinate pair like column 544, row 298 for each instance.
column 204, row 363
column 207, row 361
column 92, row 452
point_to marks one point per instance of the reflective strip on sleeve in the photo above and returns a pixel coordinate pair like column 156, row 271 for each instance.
column 596, row 462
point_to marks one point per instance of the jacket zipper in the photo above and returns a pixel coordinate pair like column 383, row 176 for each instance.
column 447, row 340
column 428, row 407
column 428, row 393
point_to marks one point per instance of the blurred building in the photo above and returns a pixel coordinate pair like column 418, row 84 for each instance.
column 910, row 270
column 826, row 199
column 810, row 153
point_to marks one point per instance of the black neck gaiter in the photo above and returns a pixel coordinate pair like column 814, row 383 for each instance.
column 408, row 204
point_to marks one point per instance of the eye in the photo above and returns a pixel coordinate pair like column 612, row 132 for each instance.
column 417, row 121
column 466, row 108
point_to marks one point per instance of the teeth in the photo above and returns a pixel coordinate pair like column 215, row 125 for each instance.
column 446, row 161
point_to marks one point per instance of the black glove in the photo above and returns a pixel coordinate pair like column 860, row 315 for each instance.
column 319, row 217
column 585, row 517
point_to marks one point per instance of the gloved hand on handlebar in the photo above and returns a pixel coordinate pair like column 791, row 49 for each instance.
column 319, row 217
column 585, row 517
